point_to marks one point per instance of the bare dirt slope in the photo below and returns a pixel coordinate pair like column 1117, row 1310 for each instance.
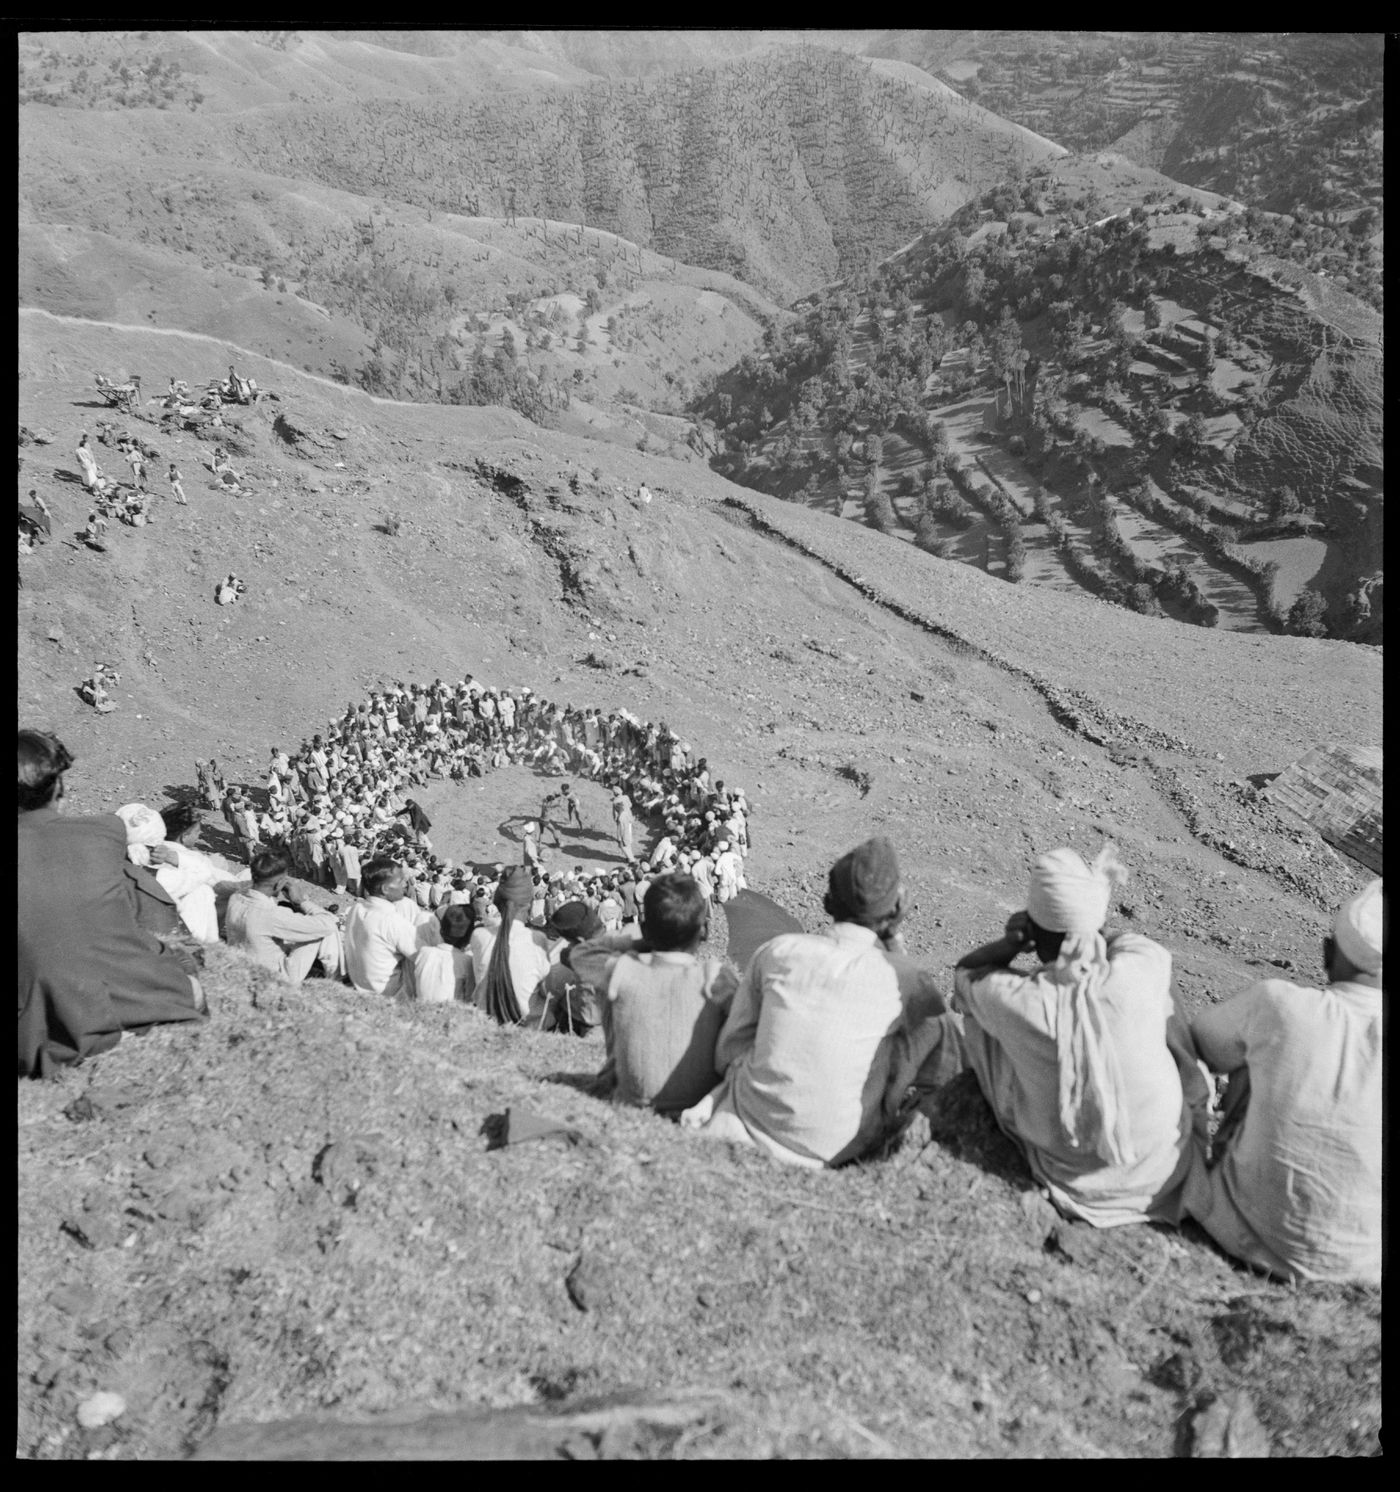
column 184, row 1245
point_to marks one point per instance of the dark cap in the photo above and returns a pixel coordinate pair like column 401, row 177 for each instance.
column 575, row 920
column 866, row 881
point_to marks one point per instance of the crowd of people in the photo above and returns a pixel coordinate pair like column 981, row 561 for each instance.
column 345, row 795
column 1260, row 1117
column 132, row 499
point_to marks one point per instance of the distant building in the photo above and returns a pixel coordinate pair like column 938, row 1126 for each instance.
column 1337, row 789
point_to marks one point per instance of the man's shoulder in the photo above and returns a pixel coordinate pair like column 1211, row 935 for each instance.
column 1137, row 945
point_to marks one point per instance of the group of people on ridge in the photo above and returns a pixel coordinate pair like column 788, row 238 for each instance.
column 825, row 1046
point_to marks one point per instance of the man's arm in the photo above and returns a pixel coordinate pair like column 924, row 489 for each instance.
column 300, row 927
column 1220, row 1032
column 594, row 960
column 1001, row 951
column 737, row 1035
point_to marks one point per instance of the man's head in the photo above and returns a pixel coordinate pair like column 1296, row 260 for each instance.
column 1066, row 897
column 516, row 890
column 864, row 887
column 268, row 867
column 43, row 759
column 385, row 878
column 675, row 914
column 1357, row 945
column 457, row 924
column 575, row 921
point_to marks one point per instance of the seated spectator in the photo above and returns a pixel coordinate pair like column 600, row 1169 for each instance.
column 1294, row 1179
column 511, row 958
column 1084, row 1058
column 87, row 970
column 563, row 1000
column 442, row 973
column 282, row 932
column 191, row 878
column 818, row 1029
column 662, row 1005
column 380, row 940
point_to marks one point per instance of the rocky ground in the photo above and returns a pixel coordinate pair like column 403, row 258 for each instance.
column 191, row 1243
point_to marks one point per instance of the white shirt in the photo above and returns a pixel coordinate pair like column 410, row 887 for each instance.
column 379, row 939
column 1298, row 1189
column 806, row 1047
column 441, row 974
column 1011, row 1040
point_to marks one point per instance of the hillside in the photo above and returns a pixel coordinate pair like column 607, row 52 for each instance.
column 784, row 169
column 920, row 703
column 1090, row 379
column 1282, row 120
column 585, row 348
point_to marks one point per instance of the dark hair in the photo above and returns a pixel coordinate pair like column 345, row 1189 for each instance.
column 457, row 923
column 267, row 865
column 674, row 912
column 43, row 759
column 375, row 874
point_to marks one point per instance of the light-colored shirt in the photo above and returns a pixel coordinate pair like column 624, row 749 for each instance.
column 379, row 940
column 256, row 921
column 1298, row 1189
column 441, row 974
column 807, row 1046
column 1010, row 1034
column 528, row 960
column 662, row 1015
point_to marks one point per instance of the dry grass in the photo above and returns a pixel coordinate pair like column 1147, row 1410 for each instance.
column 928, row 1304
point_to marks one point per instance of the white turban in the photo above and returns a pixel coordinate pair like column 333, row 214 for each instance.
column 1068, row 896
column 144, row 827
column 1359, row 928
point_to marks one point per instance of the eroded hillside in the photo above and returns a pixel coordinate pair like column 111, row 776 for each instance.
column 1064, row 388
column 188, row 1240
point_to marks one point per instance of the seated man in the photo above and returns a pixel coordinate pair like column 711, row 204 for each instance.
column 442, row 973
column 189, row 875
column 815, row 1037
column 87, row 970
column 380, row 940
column 287, row 939
column 1294, row 1180
column 563, row 1000
column 1083, row 1058
column 509, row 958
column 662, row 1005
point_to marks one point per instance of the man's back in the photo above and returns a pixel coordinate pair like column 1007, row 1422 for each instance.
column 378, row 938
column 808, row 1035
column 1018, row 1068
column 1298, row 1189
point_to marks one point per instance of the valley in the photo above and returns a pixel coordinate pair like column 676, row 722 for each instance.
column 948, row 472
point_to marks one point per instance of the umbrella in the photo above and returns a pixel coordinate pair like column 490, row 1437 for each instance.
column 753, row 919
column 36, row 521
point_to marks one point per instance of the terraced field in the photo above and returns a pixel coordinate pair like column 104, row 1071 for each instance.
column 1298, row 560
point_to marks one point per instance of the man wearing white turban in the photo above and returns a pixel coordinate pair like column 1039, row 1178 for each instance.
column 1084, row 1061
column 1293, row 1183
column 190, row 877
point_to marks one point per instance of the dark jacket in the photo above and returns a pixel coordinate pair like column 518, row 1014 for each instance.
column 87, row 969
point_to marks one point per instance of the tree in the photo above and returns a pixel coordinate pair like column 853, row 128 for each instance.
column 1285, row 503
column 1306, row 615
column 1151, row 314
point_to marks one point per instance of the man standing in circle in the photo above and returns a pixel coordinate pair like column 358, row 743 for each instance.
column 623, row 821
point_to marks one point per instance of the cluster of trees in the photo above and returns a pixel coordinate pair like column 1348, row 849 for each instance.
column 999, row 507
column 787, row 169
column 79, row 81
